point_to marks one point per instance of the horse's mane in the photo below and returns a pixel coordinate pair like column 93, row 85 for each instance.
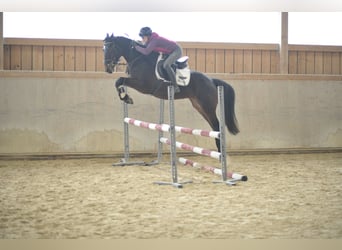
column 125, row 41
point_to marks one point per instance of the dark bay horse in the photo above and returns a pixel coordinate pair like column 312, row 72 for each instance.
column 201, row 90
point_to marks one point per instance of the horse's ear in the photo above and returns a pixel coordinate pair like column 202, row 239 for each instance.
column 107, row 35
column 112, row 35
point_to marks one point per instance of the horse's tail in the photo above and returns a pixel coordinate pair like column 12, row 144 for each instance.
column 229, row 106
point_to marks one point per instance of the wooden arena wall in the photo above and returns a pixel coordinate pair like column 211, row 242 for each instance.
column 233, row 58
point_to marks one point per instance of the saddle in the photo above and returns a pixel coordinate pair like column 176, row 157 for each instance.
column 180, row 67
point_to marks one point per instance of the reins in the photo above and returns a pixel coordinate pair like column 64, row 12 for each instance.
column 130, row 62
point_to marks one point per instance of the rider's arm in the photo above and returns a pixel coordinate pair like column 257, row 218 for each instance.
column 149, row 48
column 138, row 43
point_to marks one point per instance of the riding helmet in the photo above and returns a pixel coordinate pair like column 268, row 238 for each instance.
column 145, row 31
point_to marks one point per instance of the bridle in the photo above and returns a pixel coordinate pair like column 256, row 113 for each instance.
column 109, row 48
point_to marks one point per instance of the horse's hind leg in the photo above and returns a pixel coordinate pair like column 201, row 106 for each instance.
column 208, row 112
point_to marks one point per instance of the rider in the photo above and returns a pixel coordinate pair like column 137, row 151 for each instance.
column 154, row 42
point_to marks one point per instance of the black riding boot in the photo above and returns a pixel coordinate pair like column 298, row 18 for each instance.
column 173, row 80
column 176, row 87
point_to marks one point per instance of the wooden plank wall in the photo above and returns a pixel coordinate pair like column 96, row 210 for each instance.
column 315, row 60
column 87, row 55
column 43, row 55
column 232, row 58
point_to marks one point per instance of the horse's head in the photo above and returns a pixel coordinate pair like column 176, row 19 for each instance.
column 112, row 53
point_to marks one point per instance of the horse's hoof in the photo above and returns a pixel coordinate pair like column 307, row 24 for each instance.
column 127, row 99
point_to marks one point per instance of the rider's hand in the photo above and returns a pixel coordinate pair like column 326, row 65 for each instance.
column 137, row 43
column 134, row 43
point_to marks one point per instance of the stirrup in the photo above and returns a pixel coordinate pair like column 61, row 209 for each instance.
column 176, row 88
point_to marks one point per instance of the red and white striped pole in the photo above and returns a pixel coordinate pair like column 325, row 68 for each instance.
column 212, row 169
column 166, row 128
column 197, row 150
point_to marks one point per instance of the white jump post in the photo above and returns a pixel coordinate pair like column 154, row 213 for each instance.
column 223, row 148
column 173, row 156
column 160, row 133
column 223, row 159
column 125, row 161
column 126, row 131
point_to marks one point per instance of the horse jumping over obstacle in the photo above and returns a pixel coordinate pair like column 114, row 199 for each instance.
column 228, row 177
column 201, row 90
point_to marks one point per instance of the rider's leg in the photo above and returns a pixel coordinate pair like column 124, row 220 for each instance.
column 177, row 53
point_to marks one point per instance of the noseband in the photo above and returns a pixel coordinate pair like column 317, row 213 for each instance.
column 109, row 47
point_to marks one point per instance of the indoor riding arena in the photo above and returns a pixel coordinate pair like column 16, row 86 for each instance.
column 62, row 129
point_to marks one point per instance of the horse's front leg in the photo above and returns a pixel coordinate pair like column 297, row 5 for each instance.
column 120, row 87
